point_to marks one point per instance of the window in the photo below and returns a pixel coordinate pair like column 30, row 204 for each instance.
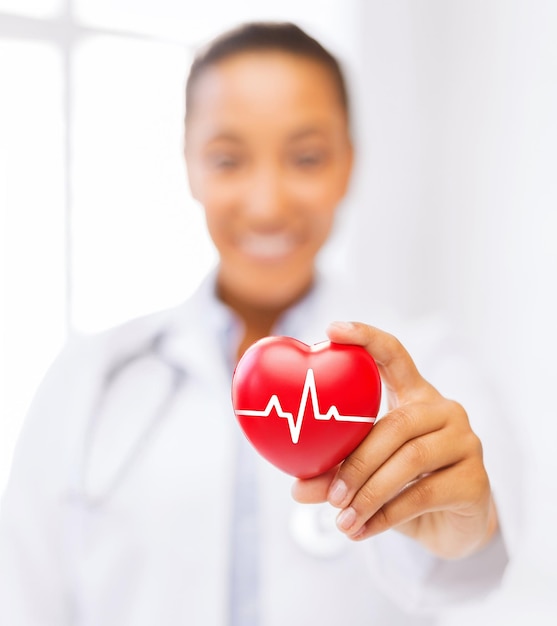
column 32, row 8
column 32, row 226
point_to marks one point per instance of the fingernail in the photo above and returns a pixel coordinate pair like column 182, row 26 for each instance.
column 359, row 535
column 346, row 518
column 337, row 493
column 342, row 325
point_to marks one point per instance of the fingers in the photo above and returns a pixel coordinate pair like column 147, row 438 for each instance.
column 404, row 444
column 417, row 479
column 423, row 437
column 387, row 436
column 453, row 488
column 451, row 512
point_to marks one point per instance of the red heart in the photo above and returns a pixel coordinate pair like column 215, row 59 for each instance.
column 305, row 408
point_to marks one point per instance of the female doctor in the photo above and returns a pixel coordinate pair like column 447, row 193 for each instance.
column 133, row 498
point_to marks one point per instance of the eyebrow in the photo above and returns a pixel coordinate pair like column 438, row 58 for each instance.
column 225, row 136
column 307, row 131
column 298, row 135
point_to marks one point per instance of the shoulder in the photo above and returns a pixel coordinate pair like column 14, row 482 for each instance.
column 135, row 333
column 89, row 355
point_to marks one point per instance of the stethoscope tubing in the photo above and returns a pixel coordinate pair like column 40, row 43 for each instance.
column 153, row 349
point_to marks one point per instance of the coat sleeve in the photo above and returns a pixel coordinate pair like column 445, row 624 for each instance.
column 34, row 582
column 400, row 566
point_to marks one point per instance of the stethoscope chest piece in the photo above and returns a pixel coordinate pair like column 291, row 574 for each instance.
column 313, row 528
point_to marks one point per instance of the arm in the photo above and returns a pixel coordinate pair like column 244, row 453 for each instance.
column 33, row 581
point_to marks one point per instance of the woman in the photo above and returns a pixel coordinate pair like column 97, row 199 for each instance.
column 134, row 500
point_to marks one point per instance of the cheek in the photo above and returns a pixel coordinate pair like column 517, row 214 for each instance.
column 213, row 192
column 321, row 207
column 220, row 208
column 323, row 189
column 217, row 225
column 324, row 226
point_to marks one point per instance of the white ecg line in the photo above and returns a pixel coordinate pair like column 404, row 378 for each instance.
column 295, row 425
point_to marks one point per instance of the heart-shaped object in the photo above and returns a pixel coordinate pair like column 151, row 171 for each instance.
column 305, row 408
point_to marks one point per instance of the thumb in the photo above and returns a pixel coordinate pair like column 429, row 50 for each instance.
column 398, row 371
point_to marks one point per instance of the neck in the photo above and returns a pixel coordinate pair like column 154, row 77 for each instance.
column 256, row 327
column 258, row 320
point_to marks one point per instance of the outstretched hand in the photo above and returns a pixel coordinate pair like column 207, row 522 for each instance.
column 420, row 470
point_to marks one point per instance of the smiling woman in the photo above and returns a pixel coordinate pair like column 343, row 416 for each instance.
column 270, row 191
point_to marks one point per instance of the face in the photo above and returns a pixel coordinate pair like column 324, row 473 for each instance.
column 268, row 155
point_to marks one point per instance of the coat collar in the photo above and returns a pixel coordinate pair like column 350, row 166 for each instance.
column 202, row 333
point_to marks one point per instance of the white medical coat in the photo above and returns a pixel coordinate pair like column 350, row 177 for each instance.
column 117, row 515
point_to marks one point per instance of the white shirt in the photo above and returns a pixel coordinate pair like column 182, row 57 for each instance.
column 118, row 510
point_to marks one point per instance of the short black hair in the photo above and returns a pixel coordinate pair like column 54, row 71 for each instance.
column 266, row 36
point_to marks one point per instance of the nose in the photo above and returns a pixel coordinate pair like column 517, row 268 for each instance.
column 266, row 202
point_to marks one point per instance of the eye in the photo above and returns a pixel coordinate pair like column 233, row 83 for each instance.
column 224, row 161
column 309, row 159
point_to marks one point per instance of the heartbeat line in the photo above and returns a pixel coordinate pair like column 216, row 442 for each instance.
column 295, row 424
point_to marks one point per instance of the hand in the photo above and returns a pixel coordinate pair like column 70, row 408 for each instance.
column 420, row 469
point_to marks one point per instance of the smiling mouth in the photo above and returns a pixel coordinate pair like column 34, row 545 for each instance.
column 268, row 247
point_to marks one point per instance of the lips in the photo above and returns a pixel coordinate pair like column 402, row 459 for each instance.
column 268, row 247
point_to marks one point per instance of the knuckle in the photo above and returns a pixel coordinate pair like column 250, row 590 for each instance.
column 466, row 436
column 476, row 476
column 457, row 412
column 476, row 445
column 393, row 345
column 421, row 494
column 416, row 453
column 472, row 445
column 366, row 498
column 354, row 468
column 398, row 422
column 382, row 519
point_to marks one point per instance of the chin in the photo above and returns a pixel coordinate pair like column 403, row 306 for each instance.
column 274, row 293
column 268, row 285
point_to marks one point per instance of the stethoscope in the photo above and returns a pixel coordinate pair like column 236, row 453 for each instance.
column 109, row 382
column 312, row 527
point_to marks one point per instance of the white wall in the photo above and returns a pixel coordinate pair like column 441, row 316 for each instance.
column 458, row 188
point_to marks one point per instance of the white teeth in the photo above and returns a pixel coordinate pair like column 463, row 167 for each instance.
column 268, row 247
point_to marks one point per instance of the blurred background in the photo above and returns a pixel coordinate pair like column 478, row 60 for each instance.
column 455, row 194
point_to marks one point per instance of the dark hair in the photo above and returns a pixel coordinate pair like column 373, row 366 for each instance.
column 265, row 36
